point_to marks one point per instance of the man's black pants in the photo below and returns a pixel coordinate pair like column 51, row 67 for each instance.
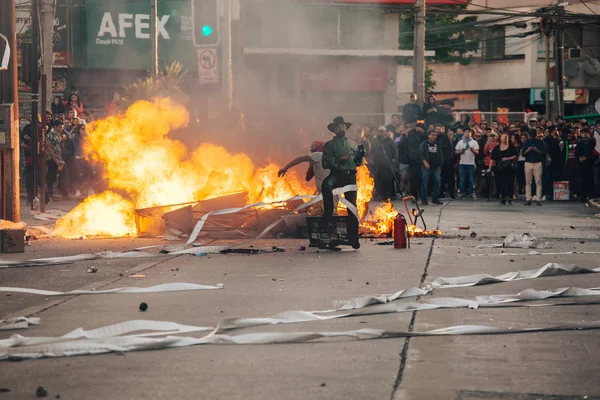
column 337, row 179
column 448, row 185
column 414, row 179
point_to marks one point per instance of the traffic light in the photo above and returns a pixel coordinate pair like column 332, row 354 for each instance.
column 205, row 17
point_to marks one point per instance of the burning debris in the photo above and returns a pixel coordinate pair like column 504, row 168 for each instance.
column 146, row 172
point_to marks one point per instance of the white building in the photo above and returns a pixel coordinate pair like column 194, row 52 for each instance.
column 509, row 72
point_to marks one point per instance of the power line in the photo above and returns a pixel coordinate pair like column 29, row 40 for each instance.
column 588, row 7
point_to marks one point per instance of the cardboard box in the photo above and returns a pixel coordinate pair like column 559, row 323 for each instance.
column 12, row 241
column 561, row 191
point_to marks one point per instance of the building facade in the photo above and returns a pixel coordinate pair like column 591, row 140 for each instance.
column 509, row 72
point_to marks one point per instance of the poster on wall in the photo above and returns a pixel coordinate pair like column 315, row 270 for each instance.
column 117, row 34
column 576, row 96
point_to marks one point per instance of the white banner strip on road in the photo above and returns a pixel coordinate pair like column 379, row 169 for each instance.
column 483, row 279
column 17, row 323
column 165, row 287
column 290, row 317
column 536, row 253
column 360, row 302
column 79, row 257
column 19, row 347
column 199, row 250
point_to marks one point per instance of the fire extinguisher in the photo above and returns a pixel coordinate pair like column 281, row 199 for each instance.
column 401, row 238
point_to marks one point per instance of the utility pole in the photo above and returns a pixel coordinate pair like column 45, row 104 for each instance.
column 154, row 26
column 547, row 42
column 560, row 82
column 419, row 50
column 47, row 30
column 35, row 40
column 229, row 57
column 10, row 205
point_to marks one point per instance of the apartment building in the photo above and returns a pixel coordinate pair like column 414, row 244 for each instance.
column 509, row 72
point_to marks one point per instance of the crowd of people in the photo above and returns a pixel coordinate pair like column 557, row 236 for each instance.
column 61, row 134
column 430, row 154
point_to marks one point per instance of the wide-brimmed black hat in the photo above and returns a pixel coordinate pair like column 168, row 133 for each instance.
column 337, row 121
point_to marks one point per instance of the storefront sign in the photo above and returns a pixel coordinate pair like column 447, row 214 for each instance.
column 345, row 76
column 118, row 34
column 577, row 96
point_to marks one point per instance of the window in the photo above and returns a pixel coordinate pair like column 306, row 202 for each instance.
column 493, row 43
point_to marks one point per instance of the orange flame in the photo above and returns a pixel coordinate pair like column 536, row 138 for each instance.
column 105, row 214
column 139, row 159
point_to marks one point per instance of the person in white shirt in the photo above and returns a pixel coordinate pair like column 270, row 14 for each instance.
column 467, row 149
column 316, row 169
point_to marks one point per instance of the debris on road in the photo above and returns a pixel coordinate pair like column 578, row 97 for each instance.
column 520, row 241
column 41, row 392
column 274, row 249
column 92, row 270
column 143, row 306
column 464, row 227
column 473, row 235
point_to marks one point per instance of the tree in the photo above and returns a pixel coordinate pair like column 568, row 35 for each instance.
column 170, row 82
column 430, row 84
column 452, row 38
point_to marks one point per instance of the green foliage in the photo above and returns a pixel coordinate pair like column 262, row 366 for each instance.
column 451, row 38
column 430, row 84
column 169, row 83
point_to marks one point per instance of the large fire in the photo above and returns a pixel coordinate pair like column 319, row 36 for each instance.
column 140, row 161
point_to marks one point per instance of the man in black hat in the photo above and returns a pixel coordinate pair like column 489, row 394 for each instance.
column 341, row 157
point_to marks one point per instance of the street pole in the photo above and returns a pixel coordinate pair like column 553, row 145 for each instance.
column 560, row 83
column 547, row 42
column 10, row 202
column 154, row 31
column 229, row 59
column 44, row 132
column 47, row 12
column 35, row 40
column 419, row 51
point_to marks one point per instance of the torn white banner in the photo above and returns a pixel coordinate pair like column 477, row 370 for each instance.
column 17, row 323
column 536, row 253
column 79, row 257
column 199, row 250
column 532, row 294
column 483, row 279
column 290, row 317
column 360, row 302
column 520, row 241
column 19, row 347
column 165, row 287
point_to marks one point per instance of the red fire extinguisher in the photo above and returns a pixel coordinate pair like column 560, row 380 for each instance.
column 401, row 238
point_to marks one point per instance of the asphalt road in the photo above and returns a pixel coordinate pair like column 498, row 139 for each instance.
column 548, row 365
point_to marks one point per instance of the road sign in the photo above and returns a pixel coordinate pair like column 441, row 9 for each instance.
column 208, row 69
